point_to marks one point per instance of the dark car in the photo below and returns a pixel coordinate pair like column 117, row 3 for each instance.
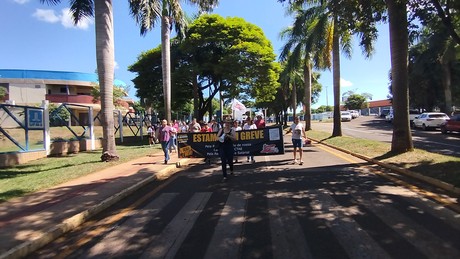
column 453, row 124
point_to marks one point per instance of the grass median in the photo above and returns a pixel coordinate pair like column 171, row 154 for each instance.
column 51, row 171
column 442, row 167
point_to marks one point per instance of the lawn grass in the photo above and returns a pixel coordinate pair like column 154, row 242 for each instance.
column 442, row 167
column 51, row 171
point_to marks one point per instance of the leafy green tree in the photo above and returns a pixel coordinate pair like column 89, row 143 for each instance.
column 355, row 102
column 102, row 12
column 138, row 107
column 3, row 92
column 59, row 117
column 229, row 56
column 149, row 81
column 169, row 12
column 118, row 93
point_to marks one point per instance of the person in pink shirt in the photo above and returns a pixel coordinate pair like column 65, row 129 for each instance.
column 164, row 133
column 260, row 122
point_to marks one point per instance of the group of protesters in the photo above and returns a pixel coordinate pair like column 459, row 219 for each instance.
column 166, row 135
column 226, row 135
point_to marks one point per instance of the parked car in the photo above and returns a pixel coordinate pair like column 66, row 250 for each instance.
column 428, row 120
column 389, row 117
column 345, row 116
column 451, row 125
column 412, row 114
column 354, row 114
column 384, row 112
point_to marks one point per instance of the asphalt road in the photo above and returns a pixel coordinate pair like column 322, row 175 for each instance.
column 333, row 206
column 370, row 127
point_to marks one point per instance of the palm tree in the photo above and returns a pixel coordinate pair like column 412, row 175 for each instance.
column 305, row 39
column 105, row 63
column 402, row 137
column 147, row 13
column 326, row 32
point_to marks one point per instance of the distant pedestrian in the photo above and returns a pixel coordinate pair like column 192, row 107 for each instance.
column 164, row 136
column 249, row 125
column 298, row 130
column 151, row 134
column 173, row 137
column 226, row 136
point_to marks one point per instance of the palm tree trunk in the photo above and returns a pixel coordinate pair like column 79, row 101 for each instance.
column 294, row 99
column 307, row 80
column 402, row 138
column 105, row 68
column 166, row 62
column 337, row 128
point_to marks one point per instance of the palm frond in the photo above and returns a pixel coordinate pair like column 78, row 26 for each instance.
column 146, row 13
column 81, row 9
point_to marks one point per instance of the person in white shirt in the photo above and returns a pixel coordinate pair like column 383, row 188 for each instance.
column 249, row 125
column 298, row 130
column 236, row 127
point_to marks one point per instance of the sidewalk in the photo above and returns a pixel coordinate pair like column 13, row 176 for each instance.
column 29, row 222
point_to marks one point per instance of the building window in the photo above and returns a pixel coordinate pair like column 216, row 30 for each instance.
column 38, row 86
column 63, row 90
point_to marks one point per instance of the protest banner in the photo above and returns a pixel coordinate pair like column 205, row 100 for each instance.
column 258, row 142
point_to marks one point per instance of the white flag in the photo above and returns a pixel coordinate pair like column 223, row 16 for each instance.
column 238, row 106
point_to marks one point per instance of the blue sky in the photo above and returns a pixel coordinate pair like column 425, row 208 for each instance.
column 42, row 37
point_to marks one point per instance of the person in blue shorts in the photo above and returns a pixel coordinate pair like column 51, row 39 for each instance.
column 298, row 131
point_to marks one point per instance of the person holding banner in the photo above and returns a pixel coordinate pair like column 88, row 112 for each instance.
column 298, row 130
column 164, row 137
column 226, row 136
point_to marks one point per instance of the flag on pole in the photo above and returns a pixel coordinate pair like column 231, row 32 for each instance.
column 238, row 106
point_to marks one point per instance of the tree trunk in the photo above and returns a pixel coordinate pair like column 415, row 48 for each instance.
column 196, row 104
column 446, row 60
column 105, row 69
column 166, row 62
column 402, row 138
column 307, row 102
column 294, row 100
column 337, row 128
column 446, row 83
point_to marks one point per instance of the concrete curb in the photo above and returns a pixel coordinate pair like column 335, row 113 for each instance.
column 435, row 182
column 73, row 222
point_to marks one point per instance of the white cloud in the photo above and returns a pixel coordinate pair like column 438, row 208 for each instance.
column 46, row 16
column 116, row 66
column 65, row 18
column 21, row 1
column 345, row 83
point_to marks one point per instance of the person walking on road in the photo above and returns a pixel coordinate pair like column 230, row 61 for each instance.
column 226, row 136
column 298, row 130
column 165, row 135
